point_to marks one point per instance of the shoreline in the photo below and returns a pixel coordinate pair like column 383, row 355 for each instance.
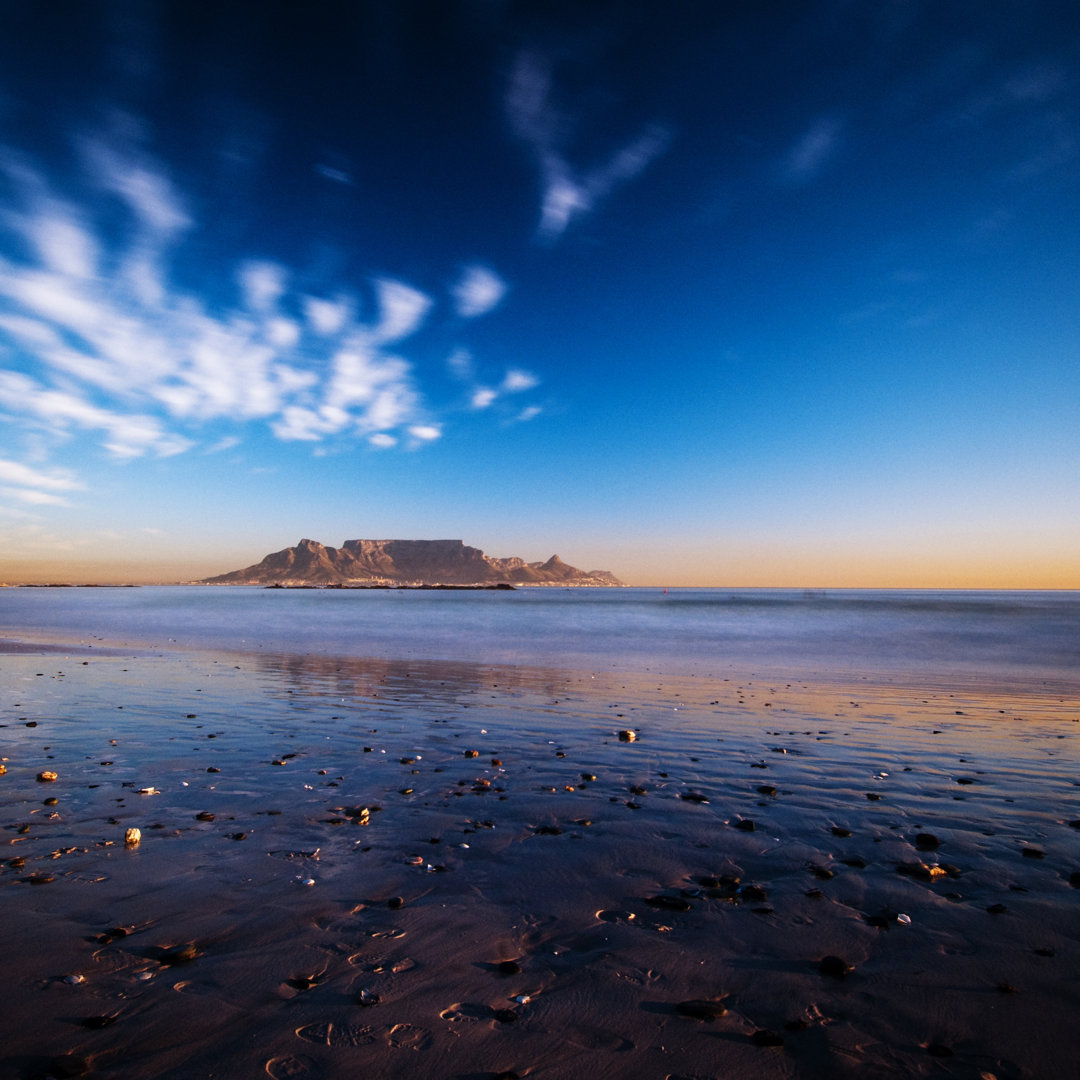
column 564, row 896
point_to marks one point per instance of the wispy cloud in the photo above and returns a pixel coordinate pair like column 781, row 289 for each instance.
column 95, row 337
column 812, row 150
column 568, row 192
column 478, row 291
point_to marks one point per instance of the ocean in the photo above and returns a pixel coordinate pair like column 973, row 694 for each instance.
column 710, row 632
column 615, row 832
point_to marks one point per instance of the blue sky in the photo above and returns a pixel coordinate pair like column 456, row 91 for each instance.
column 701, row 293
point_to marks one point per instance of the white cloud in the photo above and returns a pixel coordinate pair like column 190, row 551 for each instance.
column 568, row 193
column 529, row 413
column 460, row 364
column 33, row 498
column 425, row 432
column 478, row 291
column 812, row 151
column 339, row 176
column 401, row 310
column 64, row 246
column 13, row 472
column 99, row 340
column 262, row 284
column 223, row 444
column 517, row 380
column 325, row 317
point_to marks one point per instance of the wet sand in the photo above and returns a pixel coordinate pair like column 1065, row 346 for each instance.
column 368, row 868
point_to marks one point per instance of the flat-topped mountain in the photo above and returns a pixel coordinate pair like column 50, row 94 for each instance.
column 404, row 562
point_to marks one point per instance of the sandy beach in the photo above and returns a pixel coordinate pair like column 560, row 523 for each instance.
column 447, row 869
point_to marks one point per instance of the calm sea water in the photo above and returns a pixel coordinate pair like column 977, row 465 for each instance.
column 706, row 631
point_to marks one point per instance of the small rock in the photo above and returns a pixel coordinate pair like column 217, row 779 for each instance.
column 744, row 825
column 47, row 777
column 204, row 815
column 509, row 967
column 834, row 967
column 926, row 841
column 701, row 1010
column 667, row 903
column 178, row 954
column 1032, row 853
column 764, row 1037
column 132, row 838
column 627, row 736
column 693, row 797
column 836, row 830
column 395, row 902
column 506, row 1016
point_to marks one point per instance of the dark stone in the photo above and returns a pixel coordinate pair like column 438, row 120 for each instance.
column 836, row 830
column 764, row 1037
column 95, row 1023
column 997, row 909
column 701, row 1010
column 693, row 796
column 506, row 1016
column 667, row 903
column 509, row 967
column 178, row 954
column 834, row 967
column 926, row 841
column 204, row 815
column 744, row 825
column 548, row 830
column 394, row 903
column 1032, row 853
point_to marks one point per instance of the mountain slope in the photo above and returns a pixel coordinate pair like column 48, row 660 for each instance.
column 404, row 562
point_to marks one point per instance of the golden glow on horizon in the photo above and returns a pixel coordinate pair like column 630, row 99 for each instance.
column 719, row 569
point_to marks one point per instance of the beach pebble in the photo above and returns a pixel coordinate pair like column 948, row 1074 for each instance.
column 395, row 902
column 74, row 980
column 693, row 797
column 837, row 830
column 764, row 1037
column 835, row 967
column 96, row 1023
column 177, row 954
column 925, row 841
column 701, row 1010
column 47, row 777
column 204, row 815
column 508, row 967
column 1032, row 853
column 506, row 1016
column 667, row 903
column 366, row 999
column 627, row 736
column 133, row 837
column 744, row 825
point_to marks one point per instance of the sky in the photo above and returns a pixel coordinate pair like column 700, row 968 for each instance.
column 701, row 293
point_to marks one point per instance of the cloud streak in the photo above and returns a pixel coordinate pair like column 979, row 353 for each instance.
column 568, row 192
column 94, row 338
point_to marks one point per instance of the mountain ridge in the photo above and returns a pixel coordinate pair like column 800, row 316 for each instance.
column 405, row 562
